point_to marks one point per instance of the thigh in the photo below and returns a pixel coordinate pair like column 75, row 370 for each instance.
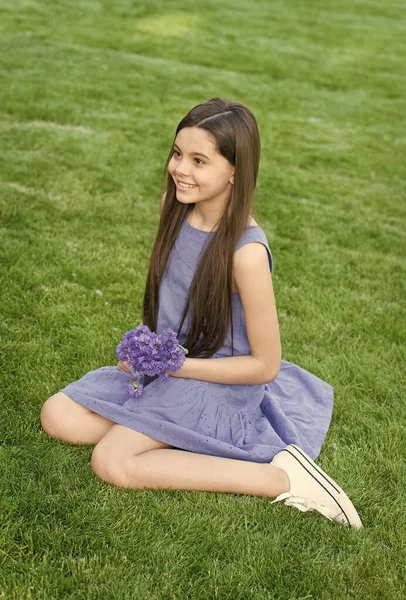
column 69, row 421
column 123, row 442
column 112, row 455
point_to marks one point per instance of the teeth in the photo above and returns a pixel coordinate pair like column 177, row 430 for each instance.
column 185, row 185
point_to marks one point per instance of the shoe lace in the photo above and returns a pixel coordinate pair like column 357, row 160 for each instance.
column 305, row 504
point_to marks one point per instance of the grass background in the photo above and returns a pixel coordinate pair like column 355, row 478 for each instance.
column 90, row 95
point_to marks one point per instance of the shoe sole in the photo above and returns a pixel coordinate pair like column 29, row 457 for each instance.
column 338, row 495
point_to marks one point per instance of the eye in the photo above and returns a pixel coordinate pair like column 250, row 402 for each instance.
column 176, row 152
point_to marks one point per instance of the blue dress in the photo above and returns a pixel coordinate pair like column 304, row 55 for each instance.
column 245, row 422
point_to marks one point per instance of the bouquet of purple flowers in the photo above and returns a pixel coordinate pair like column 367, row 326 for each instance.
column 148, row 353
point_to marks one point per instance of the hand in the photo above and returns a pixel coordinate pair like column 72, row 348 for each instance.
column 123, row 366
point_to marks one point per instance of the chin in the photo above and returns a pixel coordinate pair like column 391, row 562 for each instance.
column 182, row 200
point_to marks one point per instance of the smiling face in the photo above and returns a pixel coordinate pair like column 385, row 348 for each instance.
column 195, row 160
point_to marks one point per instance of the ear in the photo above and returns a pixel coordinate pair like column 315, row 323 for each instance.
column 232, row 177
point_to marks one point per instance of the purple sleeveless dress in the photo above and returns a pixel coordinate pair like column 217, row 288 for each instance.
column 245, row 422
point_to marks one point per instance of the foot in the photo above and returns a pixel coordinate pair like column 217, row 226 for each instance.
column 312, row 489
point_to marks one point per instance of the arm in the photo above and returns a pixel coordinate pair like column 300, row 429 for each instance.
column 243, row 370
column 254, row 283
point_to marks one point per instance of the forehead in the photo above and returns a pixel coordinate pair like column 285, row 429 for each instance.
column 196, row 139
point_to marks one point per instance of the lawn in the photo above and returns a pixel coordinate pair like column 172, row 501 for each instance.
column 90, row 96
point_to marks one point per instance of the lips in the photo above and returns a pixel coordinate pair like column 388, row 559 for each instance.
column 185, row 186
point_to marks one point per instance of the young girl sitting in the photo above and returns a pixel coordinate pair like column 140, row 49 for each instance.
column 235, row 418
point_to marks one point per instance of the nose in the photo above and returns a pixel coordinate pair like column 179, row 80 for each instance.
column 182, row 173
column 182, row 168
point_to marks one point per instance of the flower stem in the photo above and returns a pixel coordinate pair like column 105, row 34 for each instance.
column 136, row 382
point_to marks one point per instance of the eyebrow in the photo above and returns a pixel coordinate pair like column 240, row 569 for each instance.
column 200, row 153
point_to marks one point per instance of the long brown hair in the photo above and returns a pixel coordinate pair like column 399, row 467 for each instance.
column 235, row 130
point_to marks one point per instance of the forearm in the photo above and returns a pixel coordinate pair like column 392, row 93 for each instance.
column 242, row 370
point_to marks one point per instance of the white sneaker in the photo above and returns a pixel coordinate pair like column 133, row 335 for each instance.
column 312, row 489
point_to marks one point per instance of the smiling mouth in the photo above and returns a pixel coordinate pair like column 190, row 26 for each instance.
column 183, row 186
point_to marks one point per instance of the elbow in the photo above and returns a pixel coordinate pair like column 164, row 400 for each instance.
column 272, row 373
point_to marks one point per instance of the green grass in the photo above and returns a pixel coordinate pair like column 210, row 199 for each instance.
column 90, row 94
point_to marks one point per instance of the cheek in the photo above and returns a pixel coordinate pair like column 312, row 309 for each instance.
column 171, row 166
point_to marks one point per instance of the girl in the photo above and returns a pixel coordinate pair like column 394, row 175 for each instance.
column 235, row 418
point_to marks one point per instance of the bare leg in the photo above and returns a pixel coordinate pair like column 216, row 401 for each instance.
column 123, row 456
column 177, row 469
column 120, row 458
column 65, row 419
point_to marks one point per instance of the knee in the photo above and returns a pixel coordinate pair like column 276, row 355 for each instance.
column 60, row 416
column 109, row 467
column 52, row 416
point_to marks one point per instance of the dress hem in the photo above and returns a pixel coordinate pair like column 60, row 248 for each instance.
column 172, row 438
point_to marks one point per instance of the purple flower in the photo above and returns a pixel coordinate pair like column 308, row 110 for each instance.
column 148, row 353
column 134, row 391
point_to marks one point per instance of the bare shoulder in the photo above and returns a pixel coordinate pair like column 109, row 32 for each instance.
column 244, row 250
column 249, row 252
column 249, row 255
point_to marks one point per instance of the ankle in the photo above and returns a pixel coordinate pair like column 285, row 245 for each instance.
column 281, row 479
